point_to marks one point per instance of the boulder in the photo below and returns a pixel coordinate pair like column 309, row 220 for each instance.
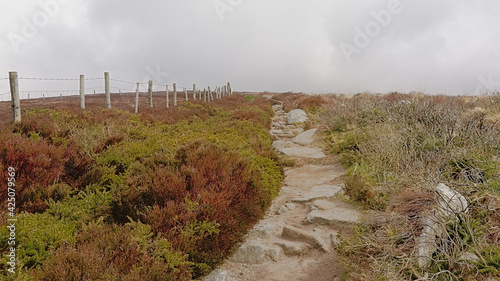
column 297, row 116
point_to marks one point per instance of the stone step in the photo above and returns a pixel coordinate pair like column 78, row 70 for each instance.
column 319, row 192
column 332, row 213
column 314, row 239
column 255, row 252
column 291, row 248
column 305, row 138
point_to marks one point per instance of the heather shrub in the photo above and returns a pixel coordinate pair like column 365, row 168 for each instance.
column 112, row 252
column 162, row 195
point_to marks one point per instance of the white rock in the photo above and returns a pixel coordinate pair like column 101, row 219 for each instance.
column 297, row 116
column 216, row 275
column 426, row 243
column 450, row 201
column 305, row 138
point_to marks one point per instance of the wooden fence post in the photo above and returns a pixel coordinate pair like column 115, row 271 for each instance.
column 210, row 98
column 186, row 93
column 137, row 98
column 229, row 89
column 167, row 96
column 175, row 94
column 150, row 93
column 82, row 91
column 107, row 90
column 194, row 91
column 14, row 92
column 205, row 95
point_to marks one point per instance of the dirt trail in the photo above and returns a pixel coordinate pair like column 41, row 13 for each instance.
column 295, row 240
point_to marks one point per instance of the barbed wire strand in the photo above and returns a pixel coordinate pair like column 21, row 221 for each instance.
column 4, row 79
column 55, row 91
column 49, row 79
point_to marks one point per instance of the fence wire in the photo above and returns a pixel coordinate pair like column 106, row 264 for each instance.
column 99, row 89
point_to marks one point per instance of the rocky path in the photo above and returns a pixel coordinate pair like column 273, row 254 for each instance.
column 295, row 240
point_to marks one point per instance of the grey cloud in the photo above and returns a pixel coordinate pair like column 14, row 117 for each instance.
column 279, row 45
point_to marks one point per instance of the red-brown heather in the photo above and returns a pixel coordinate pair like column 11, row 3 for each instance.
column 160, row 195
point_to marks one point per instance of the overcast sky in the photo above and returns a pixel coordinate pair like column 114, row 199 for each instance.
column 316, row 46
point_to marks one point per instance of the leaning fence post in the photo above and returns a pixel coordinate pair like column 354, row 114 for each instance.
column 107, row 90
column 137, row 98
column 175, row 94
column 82, row 91
column 150, row 93
column 194, row 91
column 14, row 92
column 186, row 93
column 167, row 96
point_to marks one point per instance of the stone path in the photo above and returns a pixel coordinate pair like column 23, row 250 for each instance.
column 295, row 240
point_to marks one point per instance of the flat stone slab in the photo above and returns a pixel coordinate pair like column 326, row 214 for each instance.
column 319, row 192
column 279, row 144
column 305, row 152
column 305, row 138
column 331, row 213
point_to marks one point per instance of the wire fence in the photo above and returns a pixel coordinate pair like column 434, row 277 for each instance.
column 108, row 86
column 119, row 86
